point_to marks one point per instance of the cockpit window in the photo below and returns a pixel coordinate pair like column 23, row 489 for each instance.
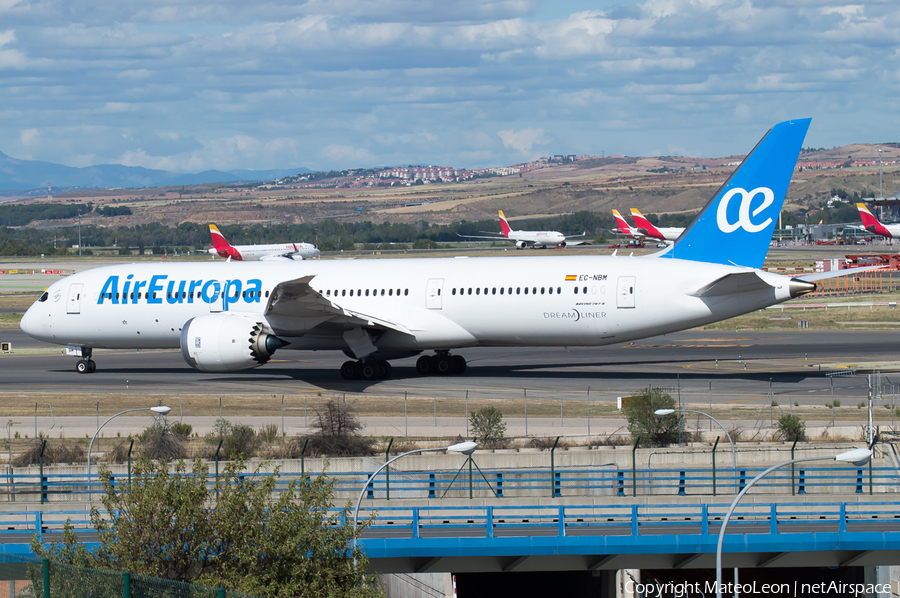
column 44, row 296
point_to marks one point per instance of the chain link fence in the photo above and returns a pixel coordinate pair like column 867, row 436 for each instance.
column 23, row 577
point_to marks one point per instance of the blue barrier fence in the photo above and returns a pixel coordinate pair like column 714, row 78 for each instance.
column 561, row 520
column 509, row 483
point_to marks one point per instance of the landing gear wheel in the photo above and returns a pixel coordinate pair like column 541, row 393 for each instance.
column 368, row 369
column 425, row 365
column 350, row 370
column 83, row 367
column 386, row 370
column 459, row 363
column 443, row 365
column 92, row 367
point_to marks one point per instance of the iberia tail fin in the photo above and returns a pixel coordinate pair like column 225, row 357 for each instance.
column 222, row 247
column 870, row 222
column 641, row 222
column 504, row 225
column 622, row 225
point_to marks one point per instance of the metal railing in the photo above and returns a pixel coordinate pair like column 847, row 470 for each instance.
column 512, row 483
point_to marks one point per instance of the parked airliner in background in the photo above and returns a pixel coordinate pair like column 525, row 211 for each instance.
column 229, row 316
column 527, row 238
column 647, row 228
column 262, row 253
column 873, row 225
column 623, row 228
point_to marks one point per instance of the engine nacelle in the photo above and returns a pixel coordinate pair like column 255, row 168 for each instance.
column 226, row 342
column 521, row 244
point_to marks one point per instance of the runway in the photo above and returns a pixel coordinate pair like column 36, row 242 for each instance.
column 724, row 367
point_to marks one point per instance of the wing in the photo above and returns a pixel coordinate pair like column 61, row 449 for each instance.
column 739, row 282
column 296, row 304
column 497, row 238
column 277, row 257
column 576, row 236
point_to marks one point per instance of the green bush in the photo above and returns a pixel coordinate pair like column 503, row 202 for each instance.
column 644, row 423
column 791, row 428
column 488, row 428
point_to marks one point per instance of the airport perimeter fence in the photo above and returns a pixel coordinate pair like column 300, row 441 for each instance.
column 23, row 577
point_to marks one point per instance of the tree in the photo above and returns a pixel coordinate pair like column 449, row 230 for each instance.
column 642, row 421
column 791, row 428
column 488, row 427
column 252, row 539
column 338, row 432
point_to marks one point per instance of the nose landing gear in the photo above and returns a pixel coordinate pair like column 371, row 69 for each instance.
column 85, row 365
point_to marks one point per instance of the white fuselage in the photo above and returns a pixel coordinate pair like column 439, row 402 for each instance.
column 250, row 253
column 670, row 233
column 444, row 303
column 537, row 237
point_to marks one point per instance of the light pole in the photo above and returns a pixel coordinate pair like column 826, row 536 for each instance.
column 79, row 234
column 665, row 412
column 160, row 410
column 859, row 456
column 466, row 448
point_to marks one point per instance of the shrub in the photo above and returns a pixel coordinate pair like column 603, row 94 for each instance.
column 182, row 430
column 338, row 433
column 488, row 428
column 53, row 453
column 160, row 442
column 642, row 421
column 268, row 434
column 791, row 428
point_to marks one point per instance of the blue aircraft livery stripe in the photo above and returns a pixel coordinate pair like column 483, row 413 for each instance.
column 736, row 226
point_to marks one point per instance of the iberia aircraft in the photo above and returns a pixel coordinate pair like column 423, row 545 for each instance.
column 527, row 238
column 623, row 228
column 262, row 253
column 647, row 228
column 227, row 316
column 873, row 225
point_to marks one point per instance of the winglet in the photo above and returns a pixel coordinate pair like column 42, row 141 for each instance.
column 870, row 222
column 504, row 225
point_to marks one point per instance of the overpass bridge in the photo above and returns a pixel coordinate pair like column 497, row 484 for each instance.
column 576, row 535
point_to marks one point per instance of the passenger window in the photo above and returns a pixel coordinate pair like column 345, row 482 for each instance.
column 494, row 291
column 470, row 290
column 526, row 290
column 485, row 290
column 501, row 290
column 478, row 291
column 382, row 292
column 398, row 292
column 406, row 292
column 534, row 291
column 391, row 292
column 184, row 294
column 267, row 293
column 367, row 292
column 453, row 292
column 542, row 290
column 576, row 290
column 558, row 290
column 518, row 290
column 328, row 293
column 344, row 293
column 584, row 290
column 510, row 290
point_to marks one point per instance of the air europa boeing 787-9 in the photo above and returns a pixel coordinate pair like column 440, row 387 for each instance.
column 235, row 315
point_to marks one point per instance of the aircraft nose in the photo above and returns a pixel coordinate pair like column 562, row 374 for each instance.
column 27, row 321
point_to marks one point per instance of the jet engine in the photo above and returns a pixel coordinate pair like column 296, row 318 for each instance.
column 521, row 244
column 225, row 342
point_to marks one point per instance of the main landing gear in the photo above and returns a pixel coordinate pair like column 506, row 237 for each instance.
column 366, row 369
column 441, row 364
column 85, row 365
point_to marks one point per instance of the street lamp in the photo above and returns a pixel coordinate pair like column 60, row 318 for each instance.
column 665, row 412
column 466, row 448
column 160, row 410
column 858, row 456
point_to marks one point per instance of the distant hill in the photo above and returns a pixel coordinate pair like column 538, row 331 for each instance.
column 23, row 175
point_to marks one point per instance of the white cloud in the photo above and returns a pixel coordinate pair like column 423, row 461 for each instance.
column 28, row 137
column 522, row 141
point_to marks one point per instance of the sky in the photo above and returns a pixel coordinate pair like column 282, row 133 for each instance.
column 192, row 85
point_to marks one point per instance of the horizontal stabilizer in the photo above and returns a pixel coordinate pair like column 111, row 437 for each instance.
column 731, row 284
column 836, row 273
